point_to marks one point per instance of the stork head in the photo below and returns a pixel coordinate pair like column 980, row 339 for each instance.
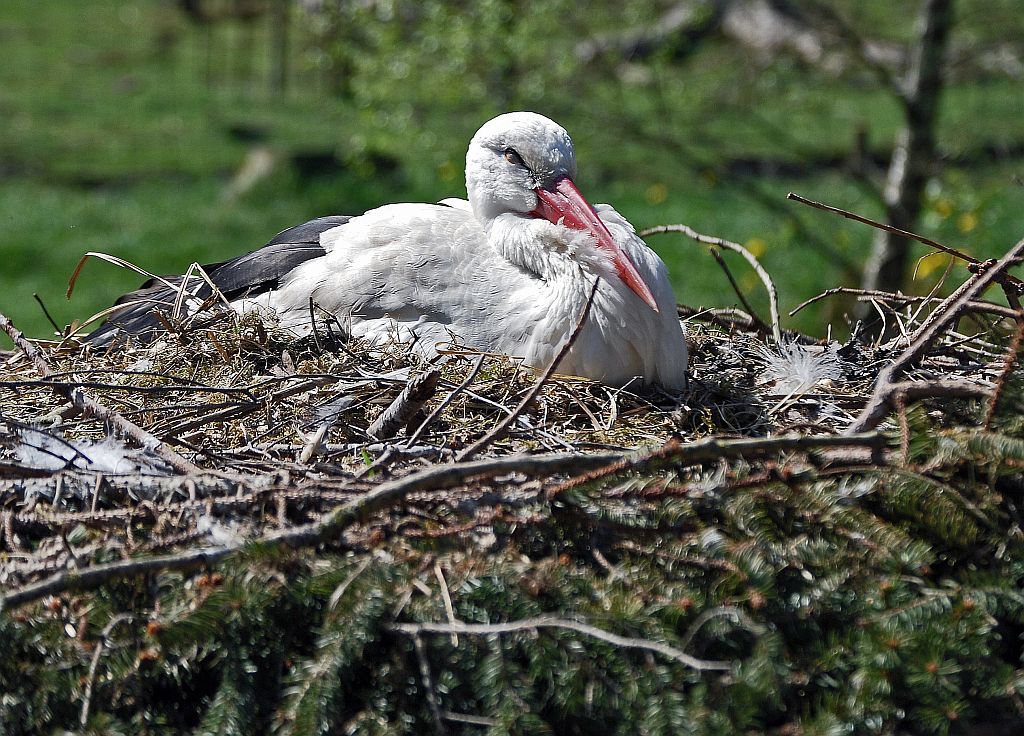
column 522, row 163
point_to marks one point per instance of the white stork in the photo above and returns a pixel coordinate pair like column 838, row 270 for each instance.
column 509, row 271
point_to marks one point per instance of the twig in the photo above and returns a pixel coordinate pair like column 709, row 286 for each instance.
column 769, row 285
column 1009, row 364
column 90, row 680
column 445, row 402
column 898, row 231
column 416, row 393
column 90, row 406
column 428, row 684
column 727, row 318
column 328, row 528
column 759, row 324
column 501, row 427
column 446, row 596
column 710, row 449
column 868, row 294
column 46, row 312
column 938, row 321
column 552, row 622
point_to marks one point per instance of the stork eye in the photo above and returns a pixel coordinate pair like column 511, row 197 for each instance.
column 513, row 158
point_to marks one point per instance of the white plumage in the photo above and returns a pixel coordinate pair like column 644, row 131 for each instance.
column 509, row 271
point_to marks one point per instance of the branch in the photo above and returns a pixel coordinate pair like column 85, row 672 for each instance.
column 1010, row 362
column 446, row 401
column 886, row 296
column 416, row 393
column 902, row 233
column 552, row 622
column 711, row 449
column 938, row 321
column 769, row 285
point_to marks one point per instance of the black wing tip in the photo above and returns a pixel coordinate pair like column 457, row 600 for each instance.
column 253, row 273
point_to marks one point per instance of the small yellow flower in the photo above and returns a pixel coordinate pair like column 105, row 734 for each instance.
column 756, row 246
column 656, row 193
column 967, row 222
column 447, row 171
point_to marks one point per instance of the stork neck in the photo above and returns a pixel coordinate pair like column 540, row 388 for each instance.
column 548, row 251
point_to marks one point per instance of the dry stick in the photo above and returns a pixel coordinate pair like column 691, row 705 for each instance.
column 90, row 406
column 445, row 402
column 727, row 318
column 1009, row 364
column 713, row 448
column 769, row 285
column 898, row 231
column 759, row 324
column 416, row 393
column 83, row 717
column 501, row 427
column 428, row 684
column 330, row 527
column 552, row 622
column 938, row 321
column 885, row 296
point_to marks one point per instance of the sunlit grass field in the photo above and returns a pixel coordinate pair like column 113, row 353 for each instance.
column 113, row 140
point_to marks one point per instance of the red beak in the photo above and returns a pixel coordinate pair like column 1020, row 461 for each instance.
column 566, row 206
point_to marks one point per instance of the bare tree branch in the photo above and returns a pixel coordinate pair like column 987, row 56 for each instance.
column 552, row 622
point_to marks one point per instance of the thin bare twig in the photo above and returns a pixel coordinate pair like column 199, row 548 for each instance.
column 553, row 622
column 1009, row 364
column 446, row 401
column 936, row 324
column 90, row 681
column 898, row 231
column 885, row 296
column 501, row 427
column 769, row 285
column 428, row 684
column 759, row 324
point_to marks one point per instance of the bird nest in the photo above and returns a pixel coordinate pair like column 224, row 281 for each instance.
column 230, row 429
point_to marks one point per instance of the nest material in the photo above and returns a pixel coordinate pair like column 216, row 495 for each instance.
column 281, row 430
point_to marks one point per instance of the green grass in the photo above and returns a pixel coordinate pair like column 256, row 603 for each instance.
column 113, row 141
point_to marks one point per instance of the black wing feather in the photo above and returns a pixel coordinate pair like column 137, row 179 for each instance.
column 247, row 275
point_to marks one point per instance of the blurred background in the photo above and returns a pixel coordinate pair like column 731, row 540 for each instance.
column 171, row 131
